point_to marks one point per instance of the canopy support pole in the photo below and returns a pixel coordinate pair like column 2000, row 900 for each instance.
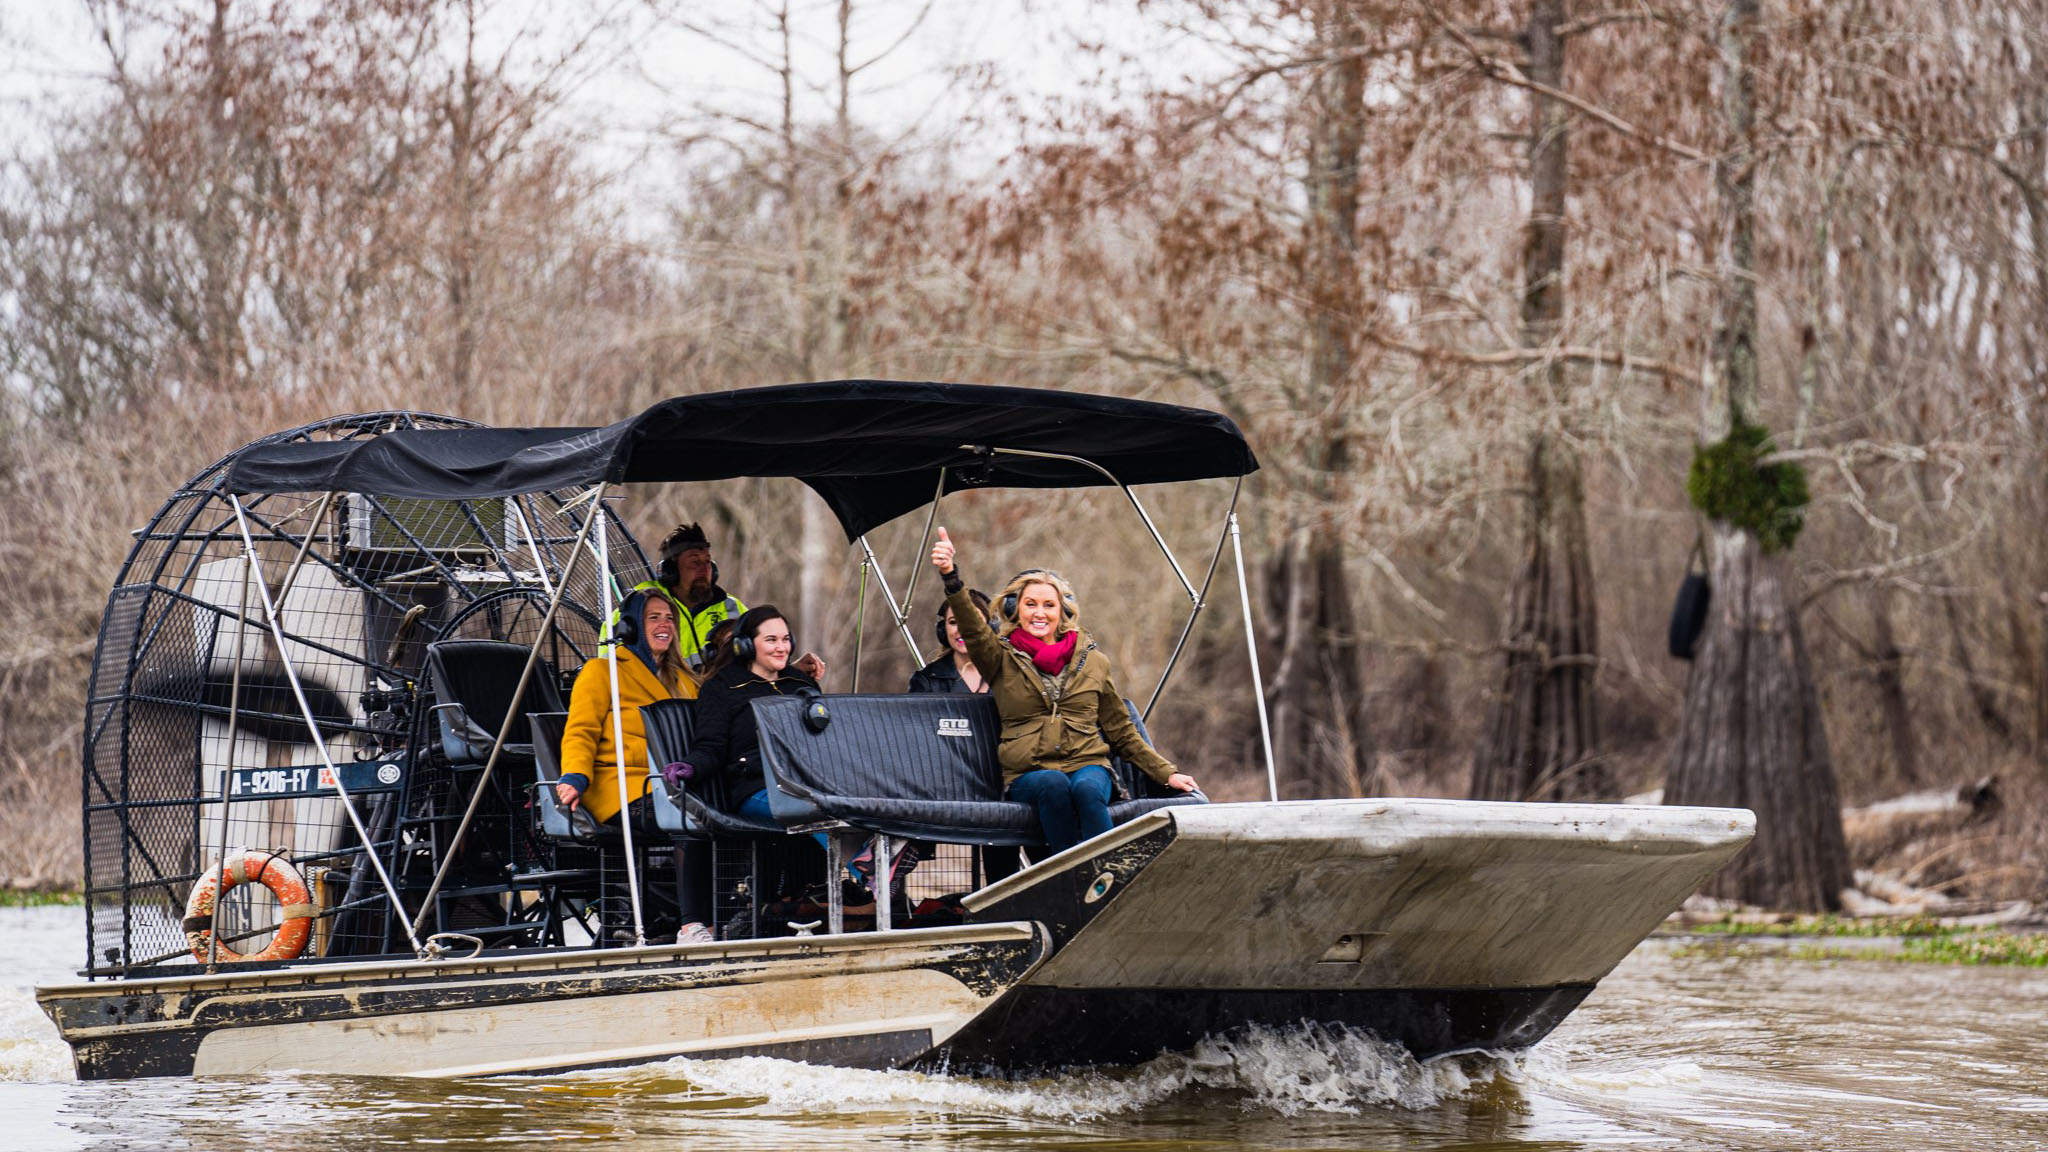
column 1193, row 596
column 1201, row 601
column 924, row 544
column 1251, row 643
column 273, row 613
column 896, row 610
column 227, row 772
column 540, row 564
column 611, row 612
column 511, row 710
column 860, row 620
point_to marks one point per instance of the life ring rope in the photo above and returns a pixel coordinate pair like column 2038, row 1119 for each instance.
column 275, row 872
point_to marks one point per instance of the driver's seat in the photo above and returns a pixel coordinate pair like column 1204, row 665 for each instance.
column 473, row 684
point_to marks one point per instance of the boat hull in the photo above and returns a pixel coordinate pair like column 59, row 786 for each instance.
column 1439, row 925
column 860, row 1000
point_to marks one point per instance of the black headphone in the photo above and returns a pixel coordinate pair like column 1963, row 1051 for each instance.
column 668, row 573
column 749, row 624
column 626, row 629
column 816, row 715
column 939, row 625
column 1069, row 607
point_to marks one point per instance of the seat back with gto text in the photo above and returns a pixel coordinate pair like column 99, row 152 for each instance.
column 922, row 766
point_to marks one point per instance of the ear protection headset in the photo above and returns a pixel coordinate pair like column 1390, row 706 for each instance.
column 980, row 602
column 626, row 629
column 668, row 573
column 749, row 624
column 1070, row 610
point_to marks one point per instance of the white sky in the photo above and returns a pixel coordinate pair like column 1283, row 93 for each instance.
column 657, row 76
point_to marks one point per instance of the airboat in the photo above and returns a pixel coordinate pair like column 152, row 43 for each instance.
column 325, row 700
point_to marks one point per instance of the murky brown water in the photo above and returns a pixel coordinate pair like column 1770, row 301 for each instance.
column 1673, row 1051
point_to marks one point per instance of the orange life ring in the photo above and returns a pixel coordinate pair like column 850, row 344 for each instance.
column 274, row 872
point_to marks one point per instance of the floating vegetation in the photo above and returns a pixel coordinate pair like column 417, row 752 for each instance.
column 36, row 898
column 2028, row 950
column 1828, row 925
column 1940, row 945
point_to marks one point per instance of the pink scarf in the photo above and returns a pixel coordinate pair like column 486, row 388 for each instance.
column 1051, row 658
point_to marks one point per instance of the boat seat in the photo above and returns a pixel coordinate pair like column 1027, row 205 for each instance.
column 922, row 766
column 557, row 823
column 473, row 683
column 1145, row 794
column 706, row 809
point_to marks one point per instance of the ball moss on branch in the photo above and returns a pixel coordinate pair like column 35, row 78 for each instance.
column 1730, row 482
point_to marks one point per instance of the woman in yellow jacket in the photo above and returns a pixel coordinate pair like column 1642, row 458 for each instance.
column 649, row 670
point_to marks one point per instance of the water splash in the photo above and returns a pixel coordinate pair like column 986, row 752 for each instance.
column 1311, row 1068
column 30, row 1049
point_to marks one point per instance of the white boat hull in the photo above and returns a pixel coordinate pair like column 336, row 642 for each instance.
column 859, row 1000
column 1443, row 925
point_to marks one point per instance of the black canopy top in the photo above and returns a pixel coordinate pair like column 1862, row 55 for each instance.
column 872, row 448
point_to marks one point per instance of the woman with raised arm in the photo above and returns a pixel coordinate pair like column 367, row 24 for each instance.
column 1062, row 713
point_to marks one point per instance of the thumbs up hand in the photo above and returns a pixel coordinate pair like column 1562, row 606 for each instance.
column 942, row 554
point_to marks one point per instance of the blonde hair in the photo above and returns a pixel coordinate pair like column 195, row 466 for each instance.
column 1006, row 601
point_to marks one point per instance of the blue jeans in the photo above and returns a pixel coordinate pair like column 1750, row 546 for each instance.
column 755, row 807
column 1072, row 806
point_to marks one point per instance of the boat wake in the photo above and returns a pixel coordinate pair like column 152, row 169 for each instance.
column 30, row 1049
column 1310, row 1068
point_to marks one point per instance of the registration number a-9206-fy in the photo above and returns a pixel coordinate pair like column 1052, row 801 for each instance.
column 311, row 780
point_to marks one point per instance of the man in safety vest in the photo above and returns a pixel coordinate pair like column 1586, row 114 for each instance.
column 688, row 576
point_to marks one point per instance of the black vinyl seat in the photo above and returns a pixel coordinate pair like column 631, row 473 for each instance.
column 1145, row 794
column 922, row 766
column 555, row 822
column 473, row 682
column 706, row 808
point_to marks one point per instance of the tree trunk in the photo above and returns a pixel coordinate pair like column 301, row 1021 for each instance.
column 462, row 249
column 1321, row 736
column 1751, row 736
column 221, row 347
column 1321, row 732
column 1542, row 736
column 1751, row 733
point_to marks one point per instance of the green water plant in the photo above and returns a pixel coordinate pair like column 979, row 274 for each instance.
column 36, row 898
column 1827, row 925
column 1729, row 481
column 2027, row 950
column 1952, row 946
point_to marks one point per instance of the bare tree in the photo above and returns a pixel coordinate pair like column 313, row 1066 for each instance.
column 1752, row 734
column 1542, row 740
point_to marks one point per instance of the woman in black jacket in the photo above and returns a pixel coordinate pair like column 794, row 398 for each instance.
column 752, row 662
column 726, row 743
column 952, row 671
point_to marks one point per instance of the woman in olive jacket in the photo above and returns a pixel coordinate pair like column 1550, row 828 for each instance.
column 1061, row 711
